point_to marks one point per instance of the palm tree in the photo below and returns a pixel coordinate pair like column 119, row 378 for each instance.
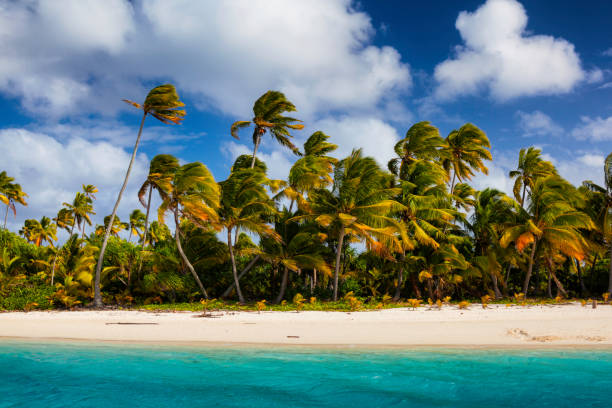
column 115, row 229
column 162, row 103
column 422, row 142
column 464, row 151
column 136, row 224
column 81, row 209
column 600, row 201
column 10, row 195
column 194, row 195
column 359, row 204
column 492, row 210
column 268, row 110
column 245, row 205
column 550, row 219
column 64, row 219
column 90, row 191
column 40, row 231
column 530, row 167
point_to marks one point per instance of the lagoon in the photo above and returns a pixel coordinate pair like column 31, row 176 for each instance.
column 37, row 374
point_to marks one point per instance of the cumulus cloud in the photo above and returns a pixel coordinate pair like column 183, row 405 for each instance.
column 500, row 57
column 76, row 56
column 597, row 129
column 51, row 171
column 538, row 123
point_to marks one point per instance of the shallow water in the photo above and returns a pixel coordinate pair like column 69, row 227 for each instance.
column 100, row 375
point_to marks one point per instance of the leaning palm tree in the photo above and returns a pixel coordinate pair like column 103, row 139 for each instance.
column 464, row 152
column 268, row 110
column 245, row 205
column 162, row 103
column 194, row 195
column 360, row 205
column 530, row 167
column 601, row 202
column 549, row 221
column 12, row 194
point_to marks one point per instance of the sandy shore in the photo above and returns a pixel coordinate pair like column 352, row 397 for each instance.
column 497, row 326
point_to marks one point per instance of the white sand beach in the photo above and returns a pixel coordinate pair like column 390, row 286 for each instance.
column 496, row 326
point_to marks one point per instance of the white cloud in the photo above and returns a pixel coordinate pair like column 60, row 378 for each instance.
column 606, row 85
column 608, row 52
column 498, row 55
column 592, row 160
column 75, row 56
column 594, row 76
column 52, row 171
column 376, row 137
column 538, row 123
column 597, row 129
column 587, row 166
column 278, row 162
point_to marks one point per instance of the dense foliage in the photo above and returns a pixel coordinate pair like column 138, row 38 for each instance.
column 338, row 228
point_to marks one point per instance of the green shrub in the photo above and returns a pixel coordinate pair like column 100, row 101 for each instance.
column 27, row 297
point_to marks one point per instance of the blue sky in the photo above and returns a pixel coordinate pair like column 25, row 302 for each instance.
column 527, row 73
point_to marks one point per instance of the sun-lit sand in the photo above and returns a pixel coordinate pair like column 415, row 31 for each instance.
column 541, row 326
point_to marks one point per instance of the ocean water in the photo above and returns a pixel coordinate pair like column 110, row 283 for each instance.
column 97, row 375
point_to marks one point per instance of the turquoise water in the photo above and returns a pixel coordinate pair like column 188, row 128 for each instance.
column 89, row 375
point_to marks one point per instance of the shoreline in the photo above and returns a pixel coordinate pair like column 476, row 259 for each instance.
column 497, row 327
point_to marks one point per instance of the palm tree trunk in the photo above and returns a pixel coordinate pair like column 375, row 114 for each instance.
column 592, row 273
column 498, row 294
column 72, row 229
column 400, row 279
column 523, row 196
column 453, row 182
column 177, row 237
column 430, row 288
column 146, row 231
column 554, row 277
column 244, row 271
column 283, row 286
column 337, row 271
column 53, row 267
column 97, row 294
column 257, row 141
column 6, row 214
column 530, row 268
column 610, row 272
column 583, row 288
column 549, row 285
column 234, row 271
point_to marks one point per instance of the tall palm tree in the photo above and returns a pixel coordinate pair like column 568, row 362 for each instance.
column 549, row 220
column 422, row 142
column 194, row 195
column 162, row 103
column 245, row 206
column 10, row 195
column 115, row 229
column 136, row 224
column 464, row 152
column 359, row 204
column 268, row 110
column 601, row 203
column 530, row 167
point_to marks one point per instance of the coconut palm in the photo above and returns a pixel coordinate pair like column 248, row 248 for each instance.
column 359, row 204
column 39, row 232
column 268, row 110
column 422, row 142
column 464, row 152
column 550, row 221
column 245, row 206
column 530, row 167
column 600, row 204
column 161, row 173
column 136, row 224
column 90, row 191
column 81, row 208
column 64, row 219
column 115, row 229
column 12, row 194
column 162, row 103
column 194, row 195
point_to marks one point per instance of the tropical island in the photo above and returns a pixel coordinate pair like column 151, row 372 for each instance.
column 337, row 234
